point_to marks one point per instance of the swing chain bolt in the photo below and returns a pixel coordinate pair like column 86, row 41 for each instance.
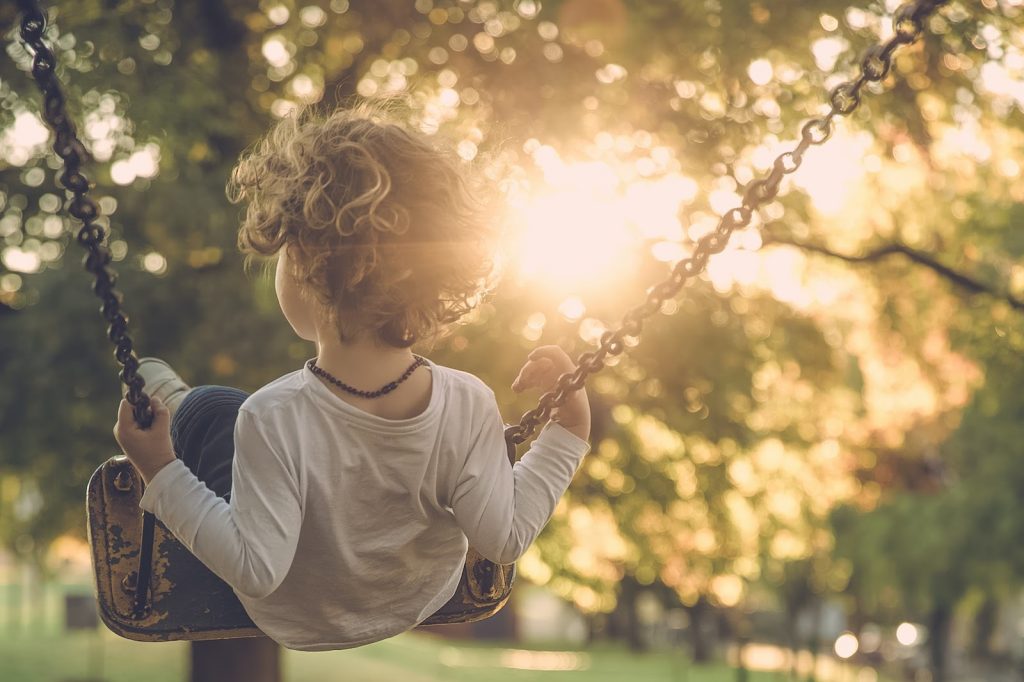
column 123, row 480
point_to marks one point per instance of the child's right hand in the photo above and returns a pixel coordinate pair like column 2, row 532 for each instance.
column 541, row 371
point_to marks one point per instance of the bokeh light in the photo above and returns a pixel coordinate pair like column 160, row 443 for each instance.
column 23, row 139
column 907, row 634
column 846, row 645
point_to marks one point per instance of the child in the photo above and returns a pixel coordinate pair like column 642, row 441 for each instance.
column 338, row 500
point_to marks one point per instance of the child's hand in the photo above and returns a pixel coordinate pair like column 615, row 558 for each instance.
column 541, row 371
column 150, row 450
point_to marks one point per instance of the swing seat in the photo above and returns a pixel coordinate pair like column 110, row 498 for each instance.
column 185, row 600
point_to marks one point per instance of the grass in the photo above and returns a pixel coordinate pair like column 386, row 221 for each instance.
column 411, row 657
column 34, row 647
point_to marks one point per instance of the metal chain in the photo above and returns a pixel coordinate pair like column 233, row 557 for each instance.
column 81, row 206
column 908, row 26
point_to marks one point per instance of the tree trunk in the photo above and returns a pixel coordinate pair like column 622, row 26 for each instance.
column 630, row 590
column 698, row 639
column 939, row 622
column 814, row 644
column 236, row 660
column 742, row 675
column 985, row 623
column 793, row 640
column 595, row 627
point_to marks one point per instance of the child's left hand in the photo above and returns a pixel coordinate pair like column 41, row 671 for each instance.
column 150, row 450
column 541, row 371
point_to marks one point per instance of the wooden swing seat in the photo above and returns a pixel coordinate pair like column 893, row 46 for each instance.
column 185, row 600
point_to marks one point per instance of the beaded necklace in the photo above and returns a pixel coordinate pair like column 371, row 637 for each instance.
column 383, row 390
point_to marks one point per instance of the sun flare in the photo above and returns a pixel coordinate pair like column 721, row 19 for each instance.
column 583, row 226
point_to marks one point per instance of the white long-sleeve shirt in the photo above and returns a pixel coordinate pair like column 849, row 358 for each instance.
column 345, row 528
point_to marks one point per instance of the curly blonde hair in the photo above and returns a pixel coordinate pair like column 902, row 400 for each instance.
column 383, row 228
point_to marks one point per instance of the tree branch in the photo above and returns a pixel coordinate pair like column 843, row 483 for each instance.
column 957, row 278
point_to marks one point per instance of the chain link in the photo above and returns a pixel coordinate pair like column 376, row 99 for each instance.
column 90, row 235
column 908, row 26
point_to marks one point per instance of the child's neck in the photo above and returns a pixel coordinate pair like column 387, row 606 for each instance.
column 361, row 362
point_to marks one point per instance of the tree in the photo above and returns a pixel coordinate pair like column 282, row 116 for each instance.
column 778, row 376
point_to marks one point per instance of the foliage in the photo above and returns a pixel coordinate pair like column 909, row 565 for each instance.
column 788, row 383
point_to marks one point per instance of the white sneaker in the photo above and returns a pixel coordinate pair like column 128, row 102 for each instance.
column 163, row 382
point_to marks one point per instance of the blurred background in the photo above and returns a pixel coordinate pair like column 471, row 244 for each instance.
column 808, row 467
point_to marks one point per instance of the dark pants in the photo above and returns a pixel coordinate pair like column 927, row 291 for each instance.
column 202, row 432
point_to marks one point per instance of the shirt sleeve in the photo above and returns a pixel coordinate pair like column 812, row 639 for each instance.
column 503, row 508
column 249, row 542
